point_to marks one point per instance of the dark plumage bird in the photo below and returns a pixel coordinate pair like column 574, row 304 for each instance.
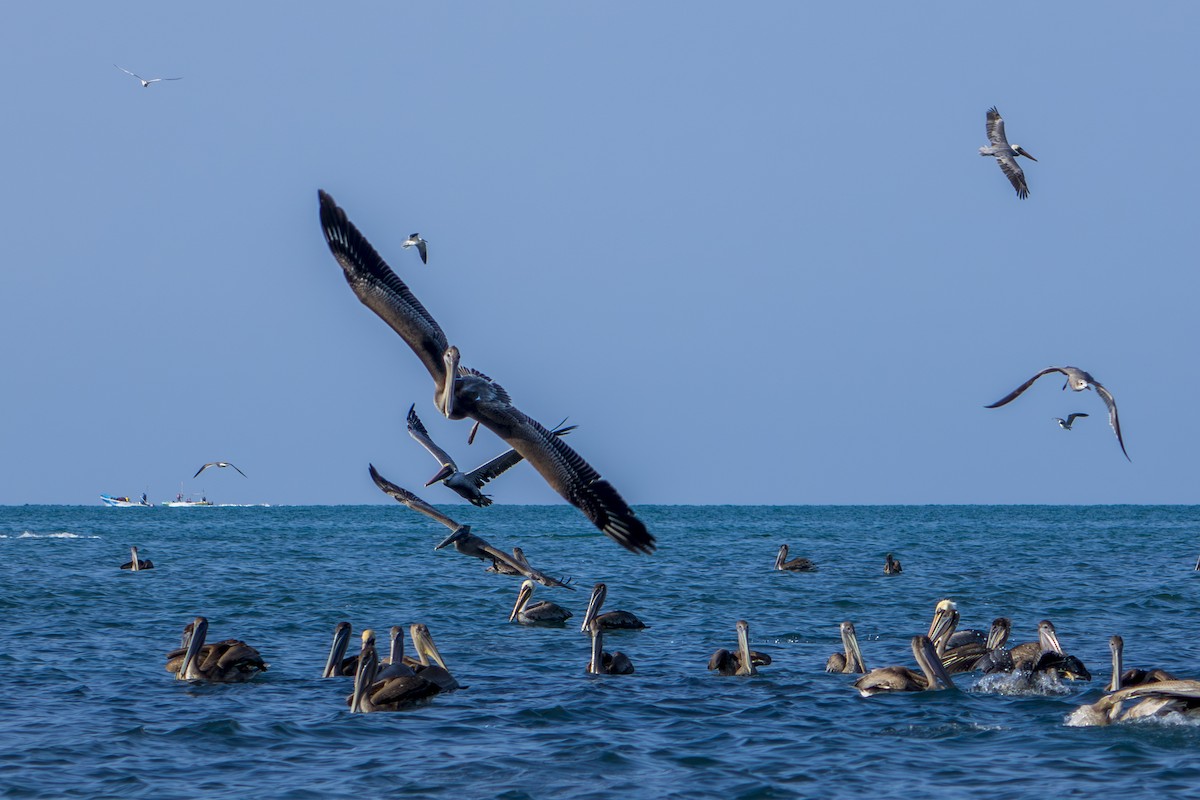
column 798, row 564
column 228, row 661
column 1005, row 155
column 338, row 664
column 742, row 661
column 611, row 620
column 604, row 663
column 903, row 679
column 374, row 691
column 1077, row 381
column 462, row 392
column 135, row 563
column 850, row 660
column 892, row 566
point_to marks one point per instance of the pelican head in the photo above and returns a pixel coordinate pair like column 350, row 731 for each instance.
column 450, row 359
column 341, row 640
column 743, row 634
column 779, row 559
column 445, row 472
column 1117, row 645
column 368, row 667
column 599, row 592
column 1022, row 152
column 930, row 664
column 854, row 656
column 423, row 644
column 523, row 596
column 998, row 633
column 1048, row 637
column 188, row 668
column 459, row 533
column 945, row 620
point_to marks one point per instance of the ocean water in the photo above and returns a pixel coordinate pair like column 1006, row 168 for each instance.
column 87, row 710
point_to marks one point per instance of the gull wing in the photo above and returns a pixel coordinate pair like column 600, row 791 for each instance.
column 381, row 290
column 127, row 72
column 411, row 500
column 1015, row 393
column 1107, row 397
column 1076, row 415
column 416, row 429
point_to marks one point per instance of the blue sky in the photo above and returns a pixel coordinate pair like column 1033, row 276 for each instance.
column 752, row 252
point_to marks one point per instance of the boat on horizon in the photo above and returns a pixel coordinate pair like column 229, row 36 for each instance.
column 125, row 502
column 186, row 502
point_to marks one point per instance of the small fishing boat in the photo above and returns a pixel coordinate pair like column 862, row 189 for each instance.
column 186, row 502
column 125, row 502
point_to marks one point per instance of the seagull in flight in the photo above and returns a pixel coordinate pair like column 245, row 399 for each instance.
column 145, row 82
column 1066, row 424
column 217, row 464
column 422, row 246
column 1004, row 153
column 1077, row 380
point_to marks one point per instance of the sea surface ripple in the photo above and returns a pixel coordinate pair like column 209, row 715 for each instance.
column 87, row 710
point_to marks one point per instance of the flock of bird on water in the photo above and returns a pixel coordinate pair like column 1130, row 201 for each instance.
column 400, row 681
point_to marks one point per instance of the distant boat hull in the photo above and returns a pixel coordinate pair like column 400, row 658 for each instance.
column 123, row 502
column 186, row 503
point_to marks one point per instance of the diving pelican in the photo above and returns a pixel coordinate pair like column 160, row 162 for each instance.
column 422, row 246
column 466, row 484
column 1005, row 155
column 462, row 392
column 603, row 663
column 797, row 564
column 1047, row 655
column 850, row 660
column 1077, row 380
column 903, row 679
column 892, row 566
column 145, row 81
column 543, row 612
column 337, row 664
column 461, row 537
column 744, row 661
column 375, row 693
column 229, row 661
column 611, row 620
column 135, row 563
column 1066, row 424
column 221, row 464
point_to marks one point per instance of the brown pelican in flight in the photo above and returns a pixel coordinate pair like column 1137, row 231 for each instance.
column 422, row 246
column 742, row 662
column 145, row 81
column 135, row 563
column 902, row 679
column 612, row 620
column 466, row 484
column 543, row 612
column 229, row 661
column 461, row 537
column 1005, row 154
column 892, row 566
column 850, row 660
column 798, row 564
column 376, row 691
column 462, row 392
column 1066, row 424
column 602, row 663
column 221, row 464
column 1077, row 380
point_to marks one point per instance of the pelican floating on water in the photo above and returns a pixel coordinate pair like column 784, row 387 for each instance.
column 135, row 563
column 221, row 464
column 337, row 664
column 466, row 484
column 145, row 81
column 1122, row 678
column 1005, row 155
column 903, row 679
column 543, row 612
column 461, row 537
column 850, row 660
column 744, row 661
column 602, row 663
column 1077, row 380
column 432, row 666
column 1153, row 700
column 1066, row 424
column 1047, row 655
column 228, row 661
column 462, row 392
column 422, row 246
column 611, row 620
column 394, row 693
column 892, row 566
column 798, row 564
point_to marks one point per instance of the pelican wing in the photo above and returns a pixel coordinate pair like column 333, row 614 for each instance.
column 1016, row 176
column 416, row 429
column 1015, row 393
column 411, row 500
column 505, row 461
column 1107, row 397
column 995, row 128
column 381, row 290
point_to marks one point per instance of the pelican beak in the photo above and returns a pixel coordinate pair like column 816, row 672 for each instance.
column 856, row 656
column 445, row 472
column 1050, row 641
column 522, row 598
column 450, row 359
column 425, row 647
column 1022, row 152
column 594, row 603
column 341, row 640
column 364, row 676
column 195, row 643
column 451, row 539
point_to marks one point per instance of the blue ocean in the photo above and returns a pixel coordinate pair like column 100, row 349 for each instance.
column 87, row 709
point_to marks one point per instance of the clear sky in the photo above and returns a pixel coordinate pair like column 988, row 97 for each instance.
column 750, row 249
